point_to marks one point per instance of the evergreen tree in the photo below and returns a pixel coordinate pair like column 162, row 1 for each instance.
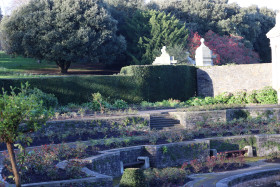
column 64, row 31
column 148, row 31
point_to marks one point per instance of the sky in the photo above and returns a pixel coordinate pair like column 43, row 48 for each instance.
column 273, row 4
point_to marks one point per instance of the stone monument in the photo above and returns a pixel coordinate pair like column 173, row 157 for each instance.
column 203, row 55
column 274, row 36
column 165, row 58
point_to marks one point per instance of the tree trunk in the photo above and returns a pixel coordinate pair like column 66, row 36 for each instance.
column 63, row 66
column 14, row 165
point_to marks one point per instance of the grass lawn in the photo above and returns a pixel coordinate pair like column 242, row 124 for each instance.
column 28, row 67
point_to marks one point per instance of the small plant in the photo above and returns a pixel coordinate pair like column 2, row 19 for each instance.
column 97, row 99
column 165, row 177
column 133, row 177
column 82, row 112
column 164, row 150
column 210, row 163
column 197, row 165
column 120, row 104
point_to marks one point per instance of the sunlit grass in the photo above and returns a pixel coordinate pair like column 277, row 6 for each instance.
column 18, row 64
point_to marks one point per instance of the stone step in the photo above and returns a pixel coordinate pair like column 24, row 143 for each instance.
column 163, row 121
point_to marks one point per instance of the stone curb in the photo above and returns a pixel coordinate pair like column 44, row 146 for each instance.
column 236, row 179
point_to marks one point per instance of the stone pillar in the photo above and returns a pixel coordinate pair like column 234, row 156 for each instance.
column 203, row 55
column 274, row 36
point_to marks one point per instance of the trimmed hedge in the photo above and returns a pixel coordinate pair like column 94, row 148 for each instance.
column 157, row 83
column 133, row 177
column 134, row 84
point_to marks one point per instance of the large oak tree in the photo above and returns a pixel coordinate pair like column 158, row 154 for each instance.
column 63, row 31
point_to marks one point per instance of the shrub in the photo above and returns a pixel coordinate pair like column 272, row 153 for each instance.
column 49, row 100
column 251, row 97
column 165, row 177
column 223, row 98
column 120, row 104
column 238, row 98
column 136, row 84
column 267, row 96
column 133, row 177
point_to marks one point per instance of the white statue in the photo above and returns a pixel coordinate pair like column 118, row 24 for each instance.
column 165, row 58
column 203, row 55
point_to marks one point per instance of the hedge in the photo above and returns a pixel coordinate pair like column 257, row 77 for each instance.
column 134, row 84
column 157, row 83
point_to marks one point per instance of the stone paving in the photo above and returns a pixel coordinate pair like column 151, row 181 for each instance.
column 211, row 179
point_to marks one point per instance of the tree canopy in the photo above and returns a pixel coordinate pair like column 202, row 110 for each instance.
column 148, row 31
column 64, row 31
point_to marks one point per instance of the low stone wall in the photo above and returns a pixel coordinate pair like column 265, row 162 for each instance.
column 267, row 143
column 175, row 154
column 230, row 143
column 106, row 163
column 255, row 178
column 60, row 125
column 91, row 181
column 128, row 154
column 190, row 119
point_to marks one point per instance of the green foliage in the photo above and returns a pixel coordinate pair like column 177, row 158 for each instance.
column 64, row 32
column 120, row 104
column 140, row 83
column 49, row 100
column 238, row 98
column 200, row 16
column 165, row 177
column 148, row 31
column 18, row 108
column 158, row 83
column 267, row 96
column 133, row 177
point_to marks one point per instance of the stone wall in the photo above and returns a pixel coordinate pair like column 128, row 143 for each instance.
column 214, row 80
column 267, row 143
column 189, row 119
column 175, row 154
column 231, row 143
column 128, row 154
column 107, row 164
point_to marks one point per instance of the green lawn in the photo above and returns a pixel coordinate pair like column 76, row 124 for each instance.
column 20, row 67
column 18, row 64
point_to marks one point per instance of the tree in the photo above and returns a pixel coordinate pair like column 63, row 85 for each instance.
column 251, row 23
column 19, row 114
column 148, row 31
column 64, row 31
column 228, row 49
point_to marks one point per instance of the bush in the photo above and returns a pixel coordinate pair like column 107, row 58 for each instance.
column 133, row 177
column 165, row 177
column 136, row 84
column 120, row 104
column 267, row 96
column 49, row 100
column 251, row 97
column 157, row 83
column 238, row 98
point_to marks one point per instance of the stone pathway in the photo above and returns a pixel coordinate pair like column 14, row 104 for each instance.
column 210, row 179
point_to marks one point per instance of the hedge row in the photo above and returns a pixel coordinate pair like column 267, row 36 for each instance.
column 134, row 84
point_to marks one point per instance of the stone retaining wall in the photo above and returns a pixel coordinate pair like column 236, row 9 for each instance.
column 215, row 80
column 190, row 119
column 267, row 144
column 175, row 154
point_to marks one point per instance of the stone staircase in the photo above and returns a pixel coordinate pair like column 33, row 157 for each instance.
column 163, row 121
